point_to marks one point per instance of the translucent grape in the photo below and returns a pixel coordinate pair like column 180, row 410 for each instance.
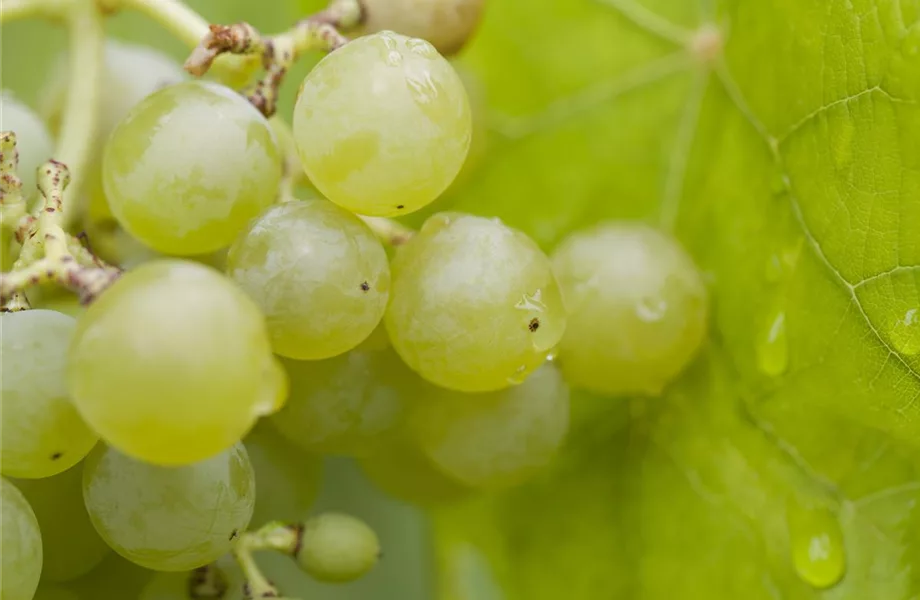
column 318, row 273
column 70, row 544
column 33, row 142
column 287, row 478
column 382, row 125
column 168, row 518
column 447, row 24
column 189, row 167
column 498, row 439
column 43, row 434
column 337, row 548
column 21, row 559
column 637, row 308
column 170, row 364
column 403, row 471
column 349, row 404
column 475, row 306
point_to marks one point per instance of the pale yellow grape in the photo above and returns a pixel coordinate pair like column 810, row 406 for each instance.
column 170, row 364
column 382, row 125
column 349, row 404
column 287, row 478
column 337, row 548
column 497, row 439
column 447, row 24
column 33, row 142
column 43, row 434
column 403, row 471
column 70, row 543
column 168, row 518
column 189, row 167
column 319, row 274
column 637, row 308
column 475, row 306
column 21, row 558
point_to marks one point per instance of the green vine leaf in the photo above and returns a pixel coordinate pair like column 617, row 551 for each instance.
column 789, row 166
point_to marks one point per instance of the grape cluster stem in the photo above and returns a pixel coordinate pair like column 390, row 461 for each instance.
column 277, row 536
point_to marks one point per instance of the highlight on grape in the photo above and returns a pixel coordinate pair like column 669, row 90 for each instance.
column 201, row 301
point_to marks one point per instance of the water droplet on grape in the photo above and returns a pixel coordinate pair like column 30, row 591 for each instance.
column 816, row 542
column 651, row 310
column 421, row 47
column 394, row 58
column 772, row 346
column 905, row 334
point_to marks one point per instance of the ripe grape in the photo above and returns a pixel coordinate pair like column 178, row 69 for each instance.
column 497, row 439
column 403, row 471
column 337, row 548
column 349, row 404
column 170, row 364
column 318, row 273
column 43, row 434
column 189, row 167
column 169, row 518
column 447, row 24
column 70, row 544
column 382, row 125
column 33, row 142
column 287, row 478
column 21, row 558
column 475, row 306
column 637, row 308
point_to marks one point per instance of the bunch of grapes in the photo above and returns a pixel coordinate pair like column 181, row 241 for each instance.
column 441, row 361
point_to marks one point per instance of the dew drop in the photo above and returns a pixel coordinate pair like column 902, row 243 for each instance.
column 651, row 310
column 394, row 58
column 905, row 334
column 772, row 346
column 421, row 47
column 816, row 542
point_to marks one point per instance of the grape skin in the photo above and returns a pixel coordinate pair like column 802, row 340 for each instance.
column 337, row 548
column 170, row 364
column 33, row 142
column 189, row 167
column 318, row 273
column 169, row 519
column 70, row 544
column 475, row 306
column 637, row 308
column 382, row 125
column 43, row 434
column 498, row 439
column 21, row 558
column 447, row 24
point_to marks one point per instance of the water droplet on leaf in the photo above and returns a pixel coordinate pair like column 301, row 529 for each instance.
column 905, row 334
column 816, row 541
column 772, row 345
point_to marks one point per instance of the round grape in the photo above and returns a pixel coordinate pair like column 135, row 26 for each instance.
column 43, row 434
column 33, row 142
column 189, row 167
column 168, row 518
column 170, row 364
column 337, row 548
column 382, row 125
column 447, row 24
column 318, row 273
column 475, row 306
column 21, row 559
column 498, row 439
column 70, row 543
column 637, row 308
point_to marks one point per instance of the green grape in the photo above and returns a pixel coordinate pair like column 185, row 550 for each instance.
column 114, row 579
column 474, row 305
column 497, row 439
column 349, row 404
column 43, row 434
column 403, row 471
column 170, row 364
column 337, row 548
column 287, row 478
column 21, row 558
column 169, row 518
column 276, row 385
column 447, row 24
column 189, row 167
column 33, row 142
column 318, row 273
column 50, row 591
column 637, row 308
column 70, row 544
column 222, row 580
column 382, row 125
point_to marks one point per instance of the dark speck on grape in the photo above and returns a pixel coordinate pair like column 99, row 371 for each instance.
column 57, row 455
column 365, row 286
column 534, row 324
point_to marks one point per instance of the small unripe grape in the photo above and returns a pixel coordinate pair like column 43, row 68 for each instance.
column 447, row 24
column 337, row 548
column 637, row 308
